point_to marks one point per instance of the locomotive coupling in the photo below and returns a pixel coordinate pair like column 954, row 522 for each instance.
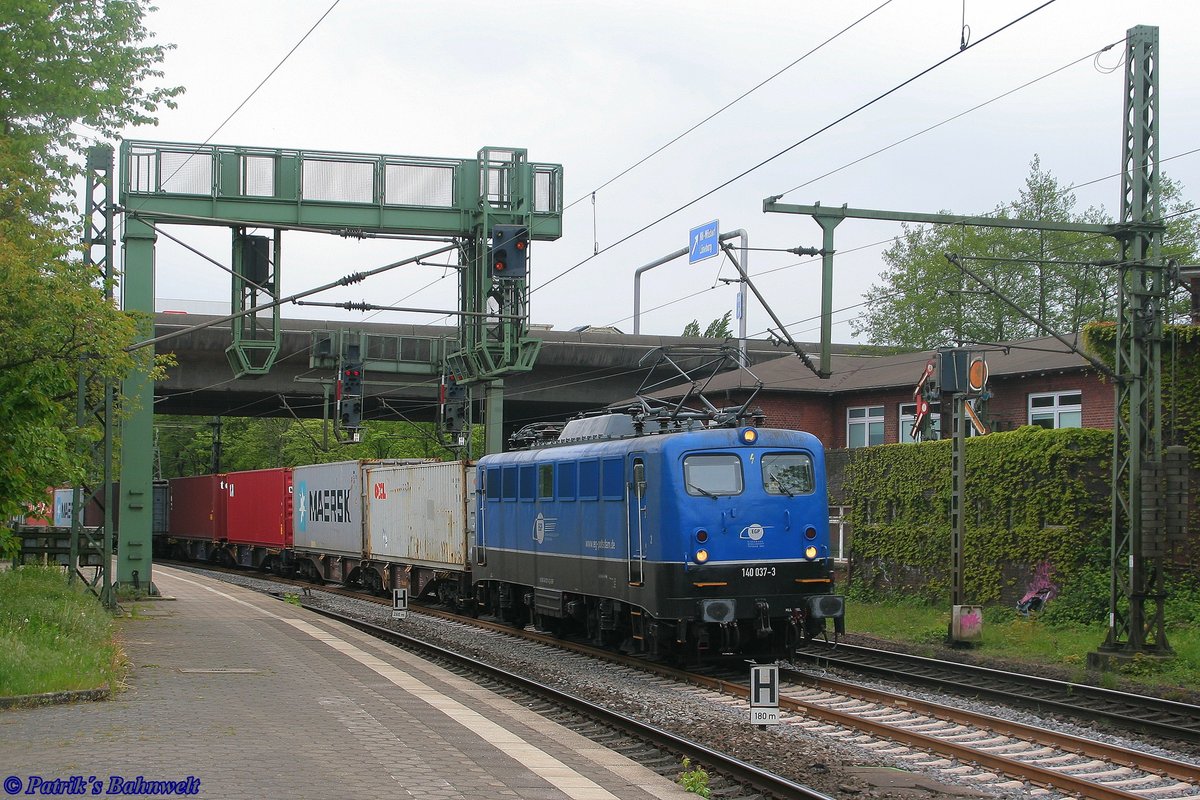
column 762, row 622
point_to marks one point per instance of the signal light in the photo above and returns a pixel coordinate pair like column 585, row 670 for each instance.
column 810, row 552
column 701, row 556
column 510, row 251
column 350, row 390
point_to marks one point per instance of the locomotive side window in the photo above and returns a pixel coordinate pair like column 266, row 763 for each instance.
column 614, row 479
column 491, row 484
column 528, row 482
column 712, row 474
column 566, row 480
column 787, row 473
column 589, row 480
column 545, row 481
column 509, row 489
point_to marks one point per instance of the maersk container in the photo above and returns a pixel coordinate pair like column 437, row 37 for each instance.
column 197, row 507
column 327, row 508
column 258, row 507
column 421, row 514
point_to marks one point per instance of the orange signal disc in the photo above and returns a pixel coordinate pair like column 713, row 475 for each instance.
column 977, row 375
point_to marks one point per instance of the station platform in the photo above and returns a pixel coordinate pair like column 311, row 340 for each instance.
column 233, row 694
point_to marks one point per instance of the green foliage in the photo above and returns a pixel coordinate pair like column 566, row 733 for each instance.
column 1180, row 402
column 694, row 780
column 47, row 85
column 185, row 443
column 61, row 63
column 719, row 328
column 1180, row 377
column 924, row 301
column 1033, row 496
column 1033, row 641
column 53, row 637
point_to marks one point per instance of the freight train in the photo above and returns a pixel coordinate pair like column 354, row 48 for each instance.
column 679, row 543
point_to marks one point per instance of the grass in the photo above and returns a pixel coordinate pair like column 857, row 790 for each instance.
column 1012, row 638
column 53, row 637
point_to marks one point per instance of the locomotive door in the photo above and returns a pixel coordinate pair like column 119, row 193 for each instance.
column 635, row 519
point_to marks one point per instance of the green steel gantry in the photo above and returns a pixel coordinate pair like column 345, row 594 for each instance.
column 1136, row 618
column 355, row 195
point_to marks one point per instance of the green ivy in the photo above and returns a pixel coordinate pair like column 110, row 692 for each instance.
column 1180, row 377
column 1180, row 404
column 1033, row 496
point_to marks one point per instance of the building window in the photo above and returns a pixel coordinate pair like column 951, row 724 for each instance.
column 864, row 426
column 1056, row 410
column 908, row 415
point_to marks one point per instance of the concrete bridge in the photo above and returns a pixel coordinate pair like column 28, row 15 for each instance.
column 575, row 371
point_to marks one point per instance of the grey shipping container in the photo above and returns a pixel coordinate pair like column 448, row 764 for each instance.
column 327, row 507
column 421, row 514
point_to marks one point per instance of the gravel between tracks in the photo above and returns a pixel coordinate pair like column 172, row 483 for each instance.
column 828, row 765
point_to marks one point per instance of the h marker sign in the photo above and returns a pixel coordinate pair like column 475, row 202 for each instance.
column 764, row 694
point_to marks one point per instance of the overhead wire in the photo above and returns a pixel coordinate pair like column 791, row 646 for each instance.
column 725, row 107
column 948, row 120
column 790, row 266
column 796, row 144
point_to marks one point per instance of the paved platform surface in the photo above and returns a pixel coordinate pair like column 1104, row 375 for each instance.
column 256, row 698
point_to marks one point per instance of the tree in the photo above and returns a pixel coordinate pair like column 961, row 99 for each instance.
column 61, row 63
column 1063, row 279
column 65, row 63
column 717, row 329
column 185, row 443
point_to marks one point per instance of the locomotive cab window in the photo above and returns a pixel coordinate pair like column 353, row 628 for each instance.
column 787, row 473
column 712, row 474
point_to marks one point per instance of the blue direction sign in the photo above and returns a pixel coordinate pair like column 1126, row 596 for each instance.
column 704, row 242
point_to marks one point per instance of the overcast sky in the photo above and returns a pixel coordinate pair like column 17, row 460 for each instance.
column 596, row 87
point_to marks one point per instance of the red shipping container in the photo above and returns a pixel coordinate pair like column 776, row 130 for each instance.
column 258, row 507
column 198, row 507
column 40, row 514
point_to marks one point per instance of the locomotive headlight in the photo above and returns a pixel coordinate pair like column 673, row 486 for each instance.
column 749, row 436
column 701, row 556
column 810, row 552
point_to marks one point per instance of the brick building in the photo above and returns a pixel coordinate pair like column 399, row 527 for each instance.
column 869, row 398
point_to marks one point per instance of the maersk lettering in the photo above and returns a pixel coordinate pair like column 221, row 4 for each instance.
column 329, row 505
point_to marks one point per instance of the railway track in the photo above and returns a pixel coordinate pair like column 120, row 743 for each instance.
column 995, row 747
column 748, row 778
column 1149, row 715
column 962, row 746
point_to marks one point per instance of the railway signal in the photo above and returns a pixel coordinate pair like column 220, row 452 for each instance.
column 510, row 251
column 350, row 390
column 454, row 405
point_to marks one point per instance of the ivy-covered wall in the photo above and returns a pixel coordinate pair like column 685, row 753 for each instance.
column 1038, row 501
column 1038, row 510
column 1180, row 415
column 1180, row 377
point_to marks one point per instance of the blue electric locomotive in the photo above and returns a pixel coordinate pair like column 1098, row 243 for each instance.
column 680, row 544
